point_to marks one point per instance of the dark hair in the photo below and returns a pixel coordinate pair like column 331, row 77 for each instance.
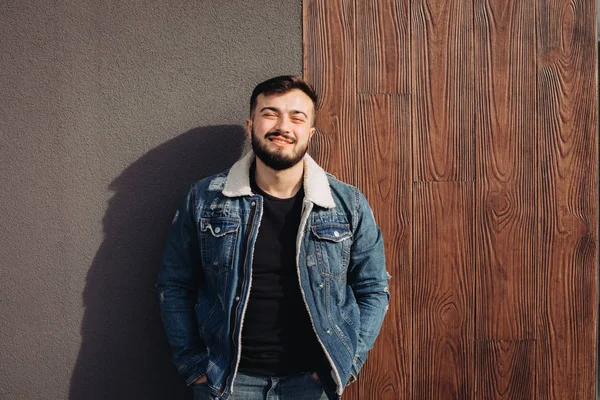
column 280, row 85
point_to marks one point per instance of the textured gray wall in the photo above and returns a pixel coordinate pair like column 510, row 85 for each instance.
column 109, row 110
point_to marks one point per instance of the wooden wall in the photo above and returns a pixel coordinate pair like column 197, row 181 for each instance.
column 472, row 128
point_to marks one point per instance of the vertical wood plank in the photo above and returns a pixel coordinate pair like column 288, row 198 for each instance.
column 568, row 192
column 506, row 201
column 330, row 66
column 384, row 175
column 443, row 290
column 506, row 169
column 442, row 87
column 383, row 46
column 508, row 364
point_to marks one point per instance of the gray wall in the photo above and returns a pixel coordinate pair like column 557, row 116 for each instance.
column 109, row 110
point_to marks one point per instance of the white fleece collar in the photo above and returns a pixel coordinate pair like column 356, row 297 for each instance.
column 316, row 184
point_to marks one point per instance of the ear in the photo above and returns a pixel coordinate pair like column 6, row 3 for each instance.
column 311, row 132
column 249, row 127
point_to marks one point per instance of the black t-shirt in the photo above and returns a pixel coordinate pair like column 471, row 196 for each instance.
column 277, row 335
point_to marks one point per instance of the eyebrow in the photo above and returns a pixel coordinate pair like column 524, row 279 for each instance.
column 275, row 109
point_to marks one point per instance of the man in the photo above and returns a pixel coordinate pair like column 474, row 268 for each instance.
column 273, row 281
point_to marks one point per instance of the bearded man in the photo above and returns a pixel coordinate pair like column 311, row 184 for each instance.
column 273, row 282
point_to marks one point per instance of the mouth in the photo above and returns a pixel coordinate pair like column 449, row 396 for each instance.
column 280, row 140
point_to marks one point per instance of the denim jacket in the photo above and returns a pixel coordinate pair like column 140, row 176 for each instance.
column 206, row 274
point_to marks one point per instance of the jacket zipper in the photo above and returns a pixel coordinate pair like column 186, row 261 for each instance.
column 238, row 295
column 303, row 221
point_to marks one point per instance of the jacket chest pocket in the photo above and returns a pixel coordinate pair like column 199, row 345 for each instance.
column 218, row 236
column 332, row 248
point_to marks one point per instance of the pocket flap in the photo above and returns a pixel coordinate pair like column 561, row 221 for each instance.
column 219, row 226
column 332, row 231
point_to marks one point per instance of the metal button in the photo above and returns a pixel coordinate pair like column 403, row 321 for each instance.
column 237, row 298
column 320, row 286
column 217, row 229
column 329, row 331
column 336, row 234
column 253, row 203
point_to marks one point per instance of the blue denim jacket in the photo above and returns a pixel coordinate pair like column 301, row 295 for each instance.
column 206, row 275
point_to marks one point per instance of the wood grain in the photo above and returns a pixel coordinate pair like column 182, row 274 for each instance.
column 383, row 46
column 502, row 108
column 443, row 280
column 509, row 364
column 506, row 156
column 384, row 175
column 442, row 87
column 506, row 201
column 568, row 199
column 330, row 66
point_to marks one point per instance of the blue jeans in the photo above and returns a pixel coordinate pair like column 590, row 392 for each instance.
column 249, row 387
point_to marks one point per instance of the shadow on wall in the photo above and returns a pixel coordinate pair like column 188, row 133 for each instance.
column 124, row 352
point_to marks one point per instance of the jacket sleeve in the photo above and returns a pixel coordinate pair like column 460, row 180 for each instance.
column 368, row 277
column 177, row 286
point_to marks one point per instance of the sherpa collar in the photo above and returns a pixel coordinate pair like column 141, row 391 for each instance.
column 316, row 184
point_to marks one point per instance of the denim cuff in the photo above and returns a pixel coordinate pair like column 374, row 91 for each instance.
column 194, row 372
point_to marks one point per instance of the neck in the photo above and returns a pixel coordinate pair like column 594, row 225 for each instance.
column 282, row 184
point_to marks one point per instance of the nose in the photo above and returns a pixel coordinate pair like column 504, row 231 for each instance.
column 283, row 123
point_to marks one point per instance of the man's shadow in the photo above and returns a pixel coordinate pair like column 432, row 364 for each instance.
column 124, row 353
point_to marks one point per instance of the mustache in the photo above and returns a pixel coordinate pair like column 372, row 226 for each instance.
column 283, row 135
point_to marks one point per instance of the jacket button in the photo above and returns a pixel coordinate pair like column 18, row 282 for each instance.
column 328, row 331
column 217, row 229
column 320, row 286
column 237, row 298
column 336, row 234
column 253, row 203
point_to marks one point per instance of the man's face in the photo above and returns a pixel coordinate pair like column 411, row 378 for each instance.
column 281, row 128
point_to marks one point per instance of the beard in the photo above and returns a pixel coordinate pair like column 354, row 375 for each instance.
column 277, row 159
